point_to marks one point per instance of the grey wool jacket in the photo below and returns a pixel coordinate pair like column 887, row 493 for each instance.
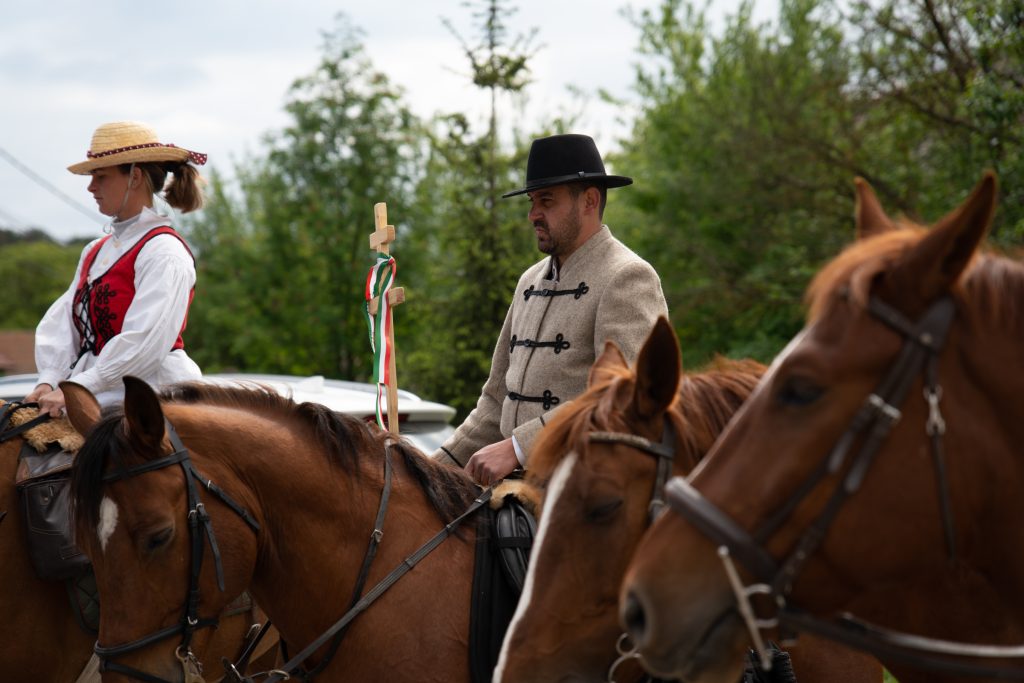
column 553, row 332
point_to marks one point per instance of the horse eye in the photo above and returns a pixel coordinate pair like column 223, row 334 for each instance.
column 799, row 391
column 603, row 512
column 159, row 539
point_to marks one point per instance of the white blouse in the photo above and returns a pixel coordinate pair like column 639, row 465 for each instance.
column 164, row 276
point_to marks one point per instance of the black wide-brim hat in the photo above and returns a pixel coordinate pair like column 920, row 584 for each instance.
column 561, row 159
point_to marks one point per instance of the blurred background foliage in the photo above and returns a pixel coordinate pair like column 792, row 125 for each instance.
column 744, row 152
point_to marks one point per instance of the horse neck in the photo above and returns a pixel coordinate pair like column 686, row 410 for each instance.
column 317, row 518
column 311, row 511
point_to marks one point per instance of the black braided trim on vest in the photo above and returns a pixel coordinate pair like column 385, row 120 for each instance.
column 576, row 293
column 547, row 399
column 559, row 344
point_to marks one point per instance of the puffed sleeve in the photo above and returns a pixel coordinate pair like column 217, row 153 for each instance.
column 57, row 341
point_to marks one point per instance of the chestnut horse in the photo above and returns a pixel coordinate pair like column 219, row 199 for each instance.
column 890, row 512
column 40, row 635
column 603, row 462
column 288, row 508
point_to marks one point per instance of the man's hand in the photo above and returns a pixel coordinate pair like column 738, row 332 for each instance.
column 50, row 400
column 493, row 463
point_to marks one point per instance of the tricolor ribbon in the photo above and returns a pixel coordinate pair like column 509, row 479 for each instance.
column 378, row 282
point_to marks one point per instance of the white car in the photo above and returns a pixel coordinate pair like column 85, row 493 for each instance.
column 424, row 423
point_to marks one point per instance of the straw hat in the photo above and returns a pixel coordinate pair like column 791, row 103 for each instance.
column 124, row 142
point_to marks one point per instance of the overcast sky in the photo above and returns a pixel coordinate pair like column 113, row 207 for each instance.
column 212, row 76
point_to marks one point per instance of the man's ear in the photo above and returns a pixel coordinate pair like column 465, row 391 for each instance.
column 592, row 200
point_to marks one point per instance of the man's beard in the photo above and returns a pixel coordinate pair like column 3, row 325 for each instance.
column 561, row 240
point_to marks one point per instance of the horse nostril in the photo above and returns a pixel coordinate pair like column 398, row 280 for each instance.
column 633, row 618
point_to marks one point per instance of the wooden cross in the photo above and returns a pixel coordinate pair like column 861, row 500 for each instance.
column 380, row 240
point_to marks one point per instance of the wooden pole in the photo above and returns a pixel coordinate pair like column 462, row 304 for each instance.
column 380, row 242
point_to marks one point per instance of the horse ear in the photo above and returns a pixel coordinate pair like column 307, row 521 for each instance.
column 658, row 368
column 934, row 265
column 870, row 216
column 143, row 414
column 610, row 359
column 82, row 407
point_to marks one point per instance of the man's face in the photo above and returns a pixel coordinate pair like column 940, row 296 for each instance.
column 555, row 215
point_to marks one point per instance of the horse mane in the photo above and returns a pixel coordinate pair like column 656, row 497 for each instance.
column 993, row 283
column 705, row 403
column 345, row 440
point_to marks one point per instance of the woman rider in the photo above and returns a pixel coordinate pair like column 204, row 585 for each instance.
column 127, row 305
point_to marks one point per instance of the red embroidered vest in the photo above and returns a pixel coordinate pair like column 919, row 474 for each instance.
column 100, row 306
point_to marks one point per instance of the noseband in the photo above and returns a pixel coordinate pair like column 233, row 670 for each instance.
column 665, row 454
column 923, row 341
column 200, row 530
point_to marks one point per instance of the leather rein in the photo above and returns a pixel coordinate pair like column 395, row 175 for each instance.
column 200, row 526
column 664, row 453
column 923, row 341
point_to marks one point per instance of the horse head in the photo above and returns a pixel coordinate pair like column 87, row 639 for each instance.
column 602, row 460
column 164, row 572
column 873, row 471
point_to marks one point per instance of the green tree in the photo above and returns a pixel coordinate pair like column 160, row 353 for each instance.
column 282, row 269
column 765, row 126
column 749, row 190
column 35, row 272
column 945, row 81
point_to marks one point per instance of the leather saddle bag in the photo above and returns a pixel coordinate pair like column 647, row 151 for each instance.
column 514, row 529
column 43, row 481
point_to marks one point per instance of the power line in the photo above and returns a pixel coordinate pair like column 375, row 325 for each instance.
column 47, row 185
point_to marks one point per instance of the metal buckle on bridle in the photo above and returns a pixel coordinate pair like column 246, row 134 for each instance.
column 936, row 425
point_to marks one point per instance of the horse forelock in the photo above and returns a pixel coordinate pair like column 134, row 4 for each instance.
column 106, row 442
column 992, row 285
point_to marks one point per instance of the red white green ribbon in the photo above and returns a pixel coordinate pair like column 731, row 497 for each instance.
column 378, row 282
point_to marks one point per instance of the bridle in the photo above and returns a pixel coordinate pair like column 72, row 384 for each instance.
column 200, row 531
column 923, row 341
column 664, row 453
column 200, row 526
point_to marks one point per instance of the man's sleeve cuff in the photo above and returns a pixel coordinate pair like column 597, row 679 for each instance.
column 520, row 456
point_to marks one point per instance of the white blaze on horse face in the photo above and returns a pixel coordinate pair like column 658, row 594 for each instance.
column 108, row 521
column 554, row 491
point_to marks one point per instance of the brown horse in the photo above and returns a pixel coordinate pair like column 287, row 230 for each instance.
column 894, row 493
column 300, row 488
column 600, row 460
column 40, row 635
